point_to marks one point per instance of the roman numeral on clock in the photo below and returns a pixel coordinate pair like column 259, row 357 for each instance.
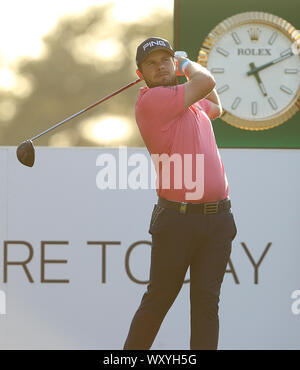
column 222, row 89
column 236, row 38
column 272, row 103
column 291, row 70
column 222, row 51
column 217, row 70
column 286, row 89
column 236, row 102
column 273, row 38
column 254, row 108
column 285, row 52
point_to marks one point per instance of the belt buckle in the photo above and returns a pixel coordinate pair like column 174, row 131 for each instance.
column 183, row 207
column 210, row 208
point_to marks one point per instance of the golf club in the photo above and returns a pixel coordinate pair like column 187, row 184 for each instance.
column 26, row 152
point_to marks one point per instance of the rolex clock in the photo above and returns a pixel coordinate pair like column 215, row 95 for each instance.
column 255, row 60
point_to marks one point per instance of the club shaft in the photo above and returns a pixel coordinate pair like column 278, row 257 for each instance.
column 87, row 108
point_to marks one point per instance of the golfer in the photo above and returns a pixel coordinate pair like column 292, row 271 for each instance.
column 189, row 229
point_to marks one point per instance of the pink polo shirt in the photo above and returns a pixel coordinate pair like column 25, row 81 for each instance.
column 183, row 141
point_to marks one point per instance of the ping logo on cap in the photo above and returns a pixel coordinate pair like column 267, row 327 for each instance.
column 149, row 45
column 156, row 43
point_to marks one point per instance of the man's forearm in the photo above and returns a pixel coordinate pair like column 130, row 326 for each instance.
column 195, row 67
column 200, row 82
column 214, row 97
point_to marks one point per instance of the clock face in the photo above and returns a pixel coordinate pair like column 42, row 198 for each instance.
column 257, row 73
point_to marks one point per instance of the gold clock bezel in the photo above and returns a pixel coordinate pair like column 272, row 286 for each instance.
column 247, row 18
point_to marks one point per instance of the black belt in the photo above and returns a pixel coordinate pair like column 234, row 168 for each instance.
column 205, row 208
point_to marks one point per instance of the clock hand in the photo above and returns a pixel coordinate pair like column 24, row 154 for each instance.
column 274, row 61
column 259, row 81
column 261, row 85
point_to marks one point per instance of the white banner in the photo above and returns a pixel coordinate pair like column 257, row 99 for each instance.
column 74, row 257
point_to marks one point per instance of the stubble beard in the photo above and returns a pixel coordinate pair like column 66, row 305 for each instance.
column 171, row 82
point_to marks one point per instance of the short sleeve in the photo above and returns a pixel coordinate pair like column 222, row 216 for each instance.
column 161, row 105
column 205, row 105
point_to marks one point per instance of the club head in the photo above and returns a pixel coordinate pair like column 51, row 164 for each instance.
column 25, row 153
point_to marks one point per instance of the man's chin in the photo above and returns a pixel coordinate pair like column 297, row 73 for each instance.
column 162, row 83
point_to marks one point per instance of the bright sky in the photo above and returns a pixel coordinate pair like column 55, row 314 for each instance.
column 23, row 23
column 22, row 27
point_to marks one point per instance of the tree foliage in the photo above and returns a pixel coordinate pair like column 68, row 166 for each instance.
column 63, row 81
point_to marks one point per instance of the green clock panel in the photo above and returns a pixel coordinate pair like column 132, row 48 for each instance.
column 193, row 20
